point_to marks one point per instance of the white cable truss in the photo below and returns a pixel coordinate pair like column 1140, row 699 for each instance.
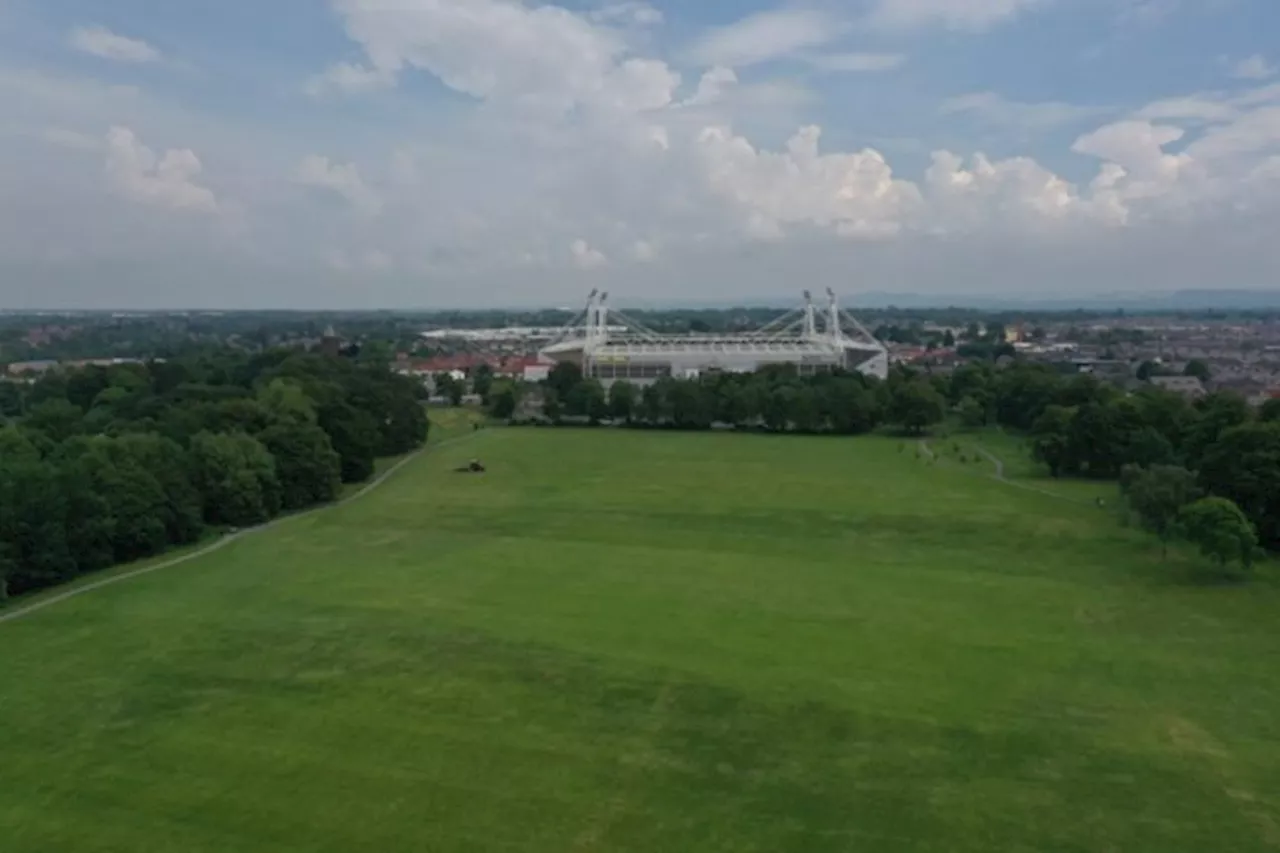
column 807, row 335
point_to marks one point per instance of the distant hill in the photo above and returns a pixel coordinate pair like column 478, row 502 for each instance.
column 1181, row 300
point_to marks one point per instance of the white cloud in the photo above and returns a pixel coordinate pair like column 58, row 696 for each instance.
column 543, row 58
column 628, row 12
column 585, row 257
column 854, row 194
column 957, row 14
column 341, row 178
column 765, row 36
column 1016, row 194
column 581, row 153
column 102, row 43
column 1254, row 67
column 858, row 62
column 72, row 139
column 134, row 171
column 712, row 86
column 1254, row 133
column 643, row 251
column 997, row 109
column 348, row 78
column 1191, row 107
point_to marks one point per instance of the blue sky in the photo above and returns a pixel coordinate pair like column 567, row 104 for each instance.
column 383, row 153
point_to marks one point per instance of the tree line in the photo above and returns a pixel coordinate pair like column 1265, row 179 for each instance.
column 105, row 465
column 1077, row 425
column 776, row 398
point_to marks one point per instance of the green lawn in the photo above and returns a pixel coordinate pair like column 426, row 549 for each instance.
column 663, row 642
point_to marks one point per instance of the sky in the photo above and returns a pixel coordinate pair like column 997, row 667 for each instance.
column 478, row 153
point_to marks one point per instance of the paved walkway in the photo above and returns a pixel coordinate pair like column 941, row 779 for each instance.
column 224, row 541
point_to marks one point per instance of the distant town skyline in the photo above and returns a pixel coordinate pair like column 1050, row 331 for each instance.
column 471, row 153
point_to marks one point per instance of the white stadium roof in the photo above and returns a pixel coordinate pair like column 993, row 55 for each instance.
column 806, row 335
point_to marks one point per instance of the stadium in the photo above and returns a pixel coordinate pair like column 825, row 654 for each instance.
column 608, row 345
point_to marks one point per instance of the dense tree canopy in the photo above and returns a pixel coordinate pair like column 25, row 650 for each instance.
column 102, row 465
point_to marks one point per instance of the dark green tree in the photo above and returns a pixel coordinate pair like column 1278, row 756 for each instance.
column 1199, row 368
column 1052, row 442
column 308, row 468
column 622, row 400
column 237, row 476
column 482, row 382
column 1221, row 531
column 1244, row 467
column 1157, row 496
column 915, row 405
column 563, row 378
column 354, row 435
column 503, row 400
column 1269, row 411
column 58, row 419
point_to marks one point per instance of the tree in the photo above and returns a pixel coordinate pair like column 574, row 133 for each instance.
column 1157, row 495
column 552, row 408
column 451, row 388
column 1148, row 369
column 972, row 412
column 237, row 476
column 286, row 401
column 34, row 516
column 1022, row 392
column 563, row 378
column 1214, row 415
column 1221, row 531
column 309, row 469
column 1269, row 411
column 915, row 405
column 1243, row 465
column 12, row 403
column 482, row 382
column 503, row 401
column 1051, row 440
column 134, row 498
column 58, row 419
column 948, row 338
column 354, row 435
column 622, row 400
column 588, row 399
column 170, row 465
column 1198, row 368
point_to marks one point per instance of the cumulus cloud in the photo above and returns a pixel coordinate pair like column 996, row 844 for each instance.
column 628, row 12
column 72, row 139
column 997, row 109
column 712, row 86
column 541, row 57
column 957, row 14
column 858, row 62
column 853, row 193
column 104, row 44
column 341, row 178
column 1190, row 107
column 1255, row 67
column 644, row 251
column 585, row 257
column 765, row 36
column 135, row 172
column 586, row 152
column 348, row 78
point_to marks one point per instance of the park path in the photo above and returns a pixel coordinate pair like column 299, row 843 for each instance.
column 223, row 541
column 999, row 475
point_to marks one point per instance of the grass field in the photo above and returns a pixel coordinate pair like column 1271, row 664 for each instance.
column 665, row 642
